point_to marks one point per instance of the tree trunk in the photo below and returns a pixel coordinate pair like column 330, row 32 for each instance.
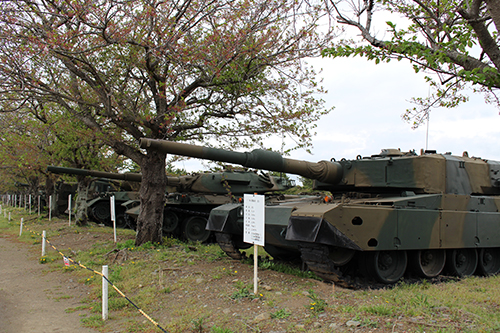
column 152, row 196
column 81, row 206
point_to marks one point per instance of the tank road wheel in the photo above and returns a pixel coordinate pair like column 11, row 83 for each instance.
column 489, row 261
column 386, row 266
column 340, row 256
column 194, row 229
column 170, row 222
column 461, row 262
column 101, row 212
column 121, row 222
column 428, row 263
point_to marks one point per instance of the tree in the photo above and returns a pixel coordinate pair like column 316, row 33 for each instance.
column 225, row 71
column 457, row 40
column 33, row 138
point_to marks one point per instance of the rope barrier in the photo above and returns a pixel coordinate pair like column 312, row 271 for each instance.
column 100, row 274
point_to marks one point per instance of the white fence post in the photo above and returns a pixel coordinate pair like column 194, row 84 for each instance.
column 104, row 292
column 44, row 236
column 69, row 209
column 21, row 229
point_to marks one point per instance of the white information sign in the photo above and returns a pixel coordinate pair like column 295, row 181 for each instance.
column 254, row 215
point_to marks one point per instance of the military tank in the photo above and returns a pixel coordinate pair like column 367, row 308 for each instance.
column 101, row 188
column 387, row 215
column 191, row 198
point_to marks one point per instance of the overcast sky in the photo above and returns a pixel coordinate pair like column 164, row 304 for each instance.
column 369, row 100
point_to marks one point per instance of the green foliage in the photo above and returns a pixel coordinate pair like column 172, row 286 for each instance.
column 242, row 292
column 128, row 244
column 216, row 329
column 283, row 268
column 115, row 275
column 281, row 314
column 317, row 305
column 198, row 324
column 93, row 321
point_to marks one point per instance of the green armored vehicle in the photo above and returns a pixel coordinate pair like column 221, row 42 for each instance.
column 191, row 198
column 388, row 214
column 101, row 188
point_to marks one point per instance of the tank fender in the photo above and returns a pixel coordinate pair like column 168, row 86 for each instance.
column 313, row 229
column 217, row 221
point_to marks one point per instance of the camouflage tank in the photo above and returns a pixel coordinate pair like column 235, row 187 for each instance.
column 388, row 214
column 191, row 198
column 101, row 188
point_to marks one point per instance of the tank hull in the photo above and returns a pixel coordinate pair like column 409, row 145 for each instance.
column 389, row 214
column 433, row 221
column 423, row 235
column 229, row 219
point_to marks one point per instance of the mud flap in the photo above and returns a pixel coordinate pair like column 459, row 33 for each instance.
column 316, row 230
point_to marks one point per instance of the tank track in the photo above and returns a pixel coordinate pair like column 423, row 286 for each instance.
column 316, row 257
column 227, row 245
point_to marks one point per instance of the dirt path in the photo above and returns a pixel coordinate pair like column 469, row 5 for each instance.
column 32, row 299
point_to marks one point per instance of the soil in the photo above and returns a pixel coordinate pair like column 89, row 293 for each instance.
column 192, row 296
column 33, row 299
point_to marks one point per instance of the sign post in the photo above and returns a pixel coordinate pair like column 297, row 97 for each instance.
column 254, row 228
column 113, row 214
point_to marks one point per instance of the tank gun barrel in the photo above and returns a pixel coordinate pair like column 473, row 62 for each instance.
column 134, row 177
column 324, row 171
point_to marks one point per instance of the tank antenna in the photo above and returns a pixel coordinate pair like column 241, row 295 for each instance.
column 427, row 132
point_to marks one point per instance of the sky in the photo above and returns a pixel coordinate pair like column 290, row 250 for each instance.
column 369, row 101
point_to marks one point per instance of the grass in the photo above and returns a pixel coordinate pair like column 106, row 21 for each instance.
column 281, row 314
column 317, row 305
column 166, row 283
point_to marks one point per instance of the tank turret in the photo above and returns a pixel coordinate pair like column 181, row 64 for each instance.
column 388, row 215
column 389, row 171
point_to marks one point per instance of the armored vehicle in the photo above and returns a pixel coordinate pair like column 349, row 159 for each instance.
column 388, row 214
column 101, row 188
column 191, row 198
